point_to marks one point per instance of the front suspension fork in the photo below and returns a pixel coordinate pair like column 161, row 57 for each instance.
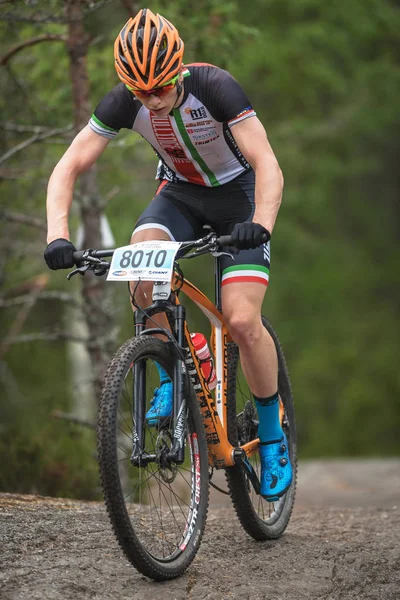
column 177, row 453
column 179, row 412
column 138, row 399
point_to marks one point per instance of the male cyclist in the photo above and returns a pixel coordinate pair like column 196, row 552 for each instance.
column 216, row 167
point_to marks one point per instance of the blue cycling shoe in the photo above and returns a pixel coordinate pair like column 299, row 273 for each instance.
column 276, row 470
column 160, row 405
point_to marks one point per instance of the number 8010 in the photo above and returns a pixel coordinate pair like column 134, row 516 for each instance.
column 137, row 258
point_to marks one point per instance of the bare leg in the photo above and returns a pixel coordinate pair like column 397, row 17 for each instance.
column 241, row 306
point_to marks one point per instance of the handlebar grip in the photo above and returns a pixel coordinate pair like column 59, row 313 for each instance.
column 78, row 255
column 226, row 240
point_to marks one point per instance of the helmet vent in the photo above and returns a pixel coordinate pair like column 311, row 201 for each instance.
column 148, row 51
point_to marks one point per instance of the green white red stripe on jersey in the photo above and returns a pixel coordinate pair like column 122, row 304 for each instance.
column 104, row 130
column 203, row 167
column 248, row 112
column 245, row 274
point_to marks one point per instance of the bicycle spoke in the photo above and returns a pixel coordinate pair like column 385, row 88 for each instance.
column 129, row 427
column 170, row 505
column 156, row 506
column 159, row 515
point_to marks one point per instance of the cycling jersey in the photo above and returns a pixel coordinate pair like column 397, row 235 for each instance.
column 194, row 142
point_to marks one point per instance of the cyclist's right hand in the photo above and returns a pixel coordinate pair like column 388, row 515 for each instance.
column 58, row 254
column 249, row 235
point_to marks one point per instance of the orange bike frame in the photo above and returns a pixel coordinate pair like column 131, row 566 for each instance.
column 220, row 450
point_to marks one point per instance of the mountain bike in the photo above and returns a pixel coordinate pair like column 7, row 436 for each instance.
column 155, row 480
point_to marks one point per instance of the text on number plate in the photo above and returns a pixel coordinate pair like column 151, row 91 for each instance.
column 147, row 261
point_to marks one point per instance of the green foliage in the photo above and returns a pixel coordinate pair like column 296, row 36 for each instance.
column 325, row 80
column 54, row 461
column 41, row 453
column 330, row 74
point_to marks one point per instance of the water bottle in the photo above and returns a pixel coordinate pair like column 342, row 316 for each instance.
column 206, row 361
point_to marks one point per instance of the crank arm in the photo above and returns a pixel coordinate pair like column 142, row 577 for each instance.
column 243, row 462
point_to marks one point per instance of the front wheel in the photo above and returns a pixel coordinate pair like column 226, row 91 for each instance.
column 261, row 519
column 157, row 508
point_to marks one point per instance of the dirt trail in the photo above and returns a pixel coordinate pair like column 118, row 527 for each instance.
column 342, row 544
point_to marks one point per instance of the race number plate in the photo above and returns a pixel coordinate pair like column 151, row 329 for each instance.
column 146, row 261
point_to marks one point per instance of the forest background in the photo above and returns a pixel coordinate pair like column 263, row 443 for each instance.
column 324, row 78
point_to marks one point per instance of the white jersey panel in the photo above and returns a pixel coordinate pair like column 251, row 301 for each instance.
column 194, row 142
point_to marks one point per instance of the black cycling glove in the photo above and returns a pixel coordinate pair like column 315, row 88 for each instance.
column 249, row 235
column 58, row 254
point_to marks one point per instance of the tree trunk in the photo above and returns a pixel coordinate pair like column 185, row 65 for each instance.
column 96, row 295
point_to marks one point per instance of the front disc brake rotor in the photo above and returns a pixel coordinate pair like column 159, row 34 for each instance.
column 168, row 470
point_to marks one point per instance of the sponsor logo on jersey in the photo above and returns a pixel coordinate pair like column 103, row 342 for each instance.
column 196, row 113
column 168, row 141
column 234, row 147
column 206, row 141
column 198, row 124
column 209, row 134
column 119, row 273
column 201, row 129
column 177, row 152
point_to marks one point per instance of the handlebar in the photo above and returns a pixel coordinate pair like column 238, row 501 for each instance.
column 92, row 259
column 79, row 255
column 226, row 240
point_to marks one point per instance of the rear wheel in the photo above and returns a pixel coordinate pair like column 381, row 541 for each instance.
column 261, row 519
column 157, row 510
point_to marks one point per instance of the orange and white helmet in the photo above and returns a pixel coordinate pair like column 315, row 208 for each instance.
column 148, row 51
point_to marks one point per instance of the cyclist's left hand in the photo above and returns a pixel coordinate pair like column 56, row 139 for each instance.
column 249, row 235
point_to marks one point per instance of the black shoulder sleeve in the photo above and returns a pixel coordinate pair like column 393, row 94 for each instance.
column 226, row 99
column 117, row 110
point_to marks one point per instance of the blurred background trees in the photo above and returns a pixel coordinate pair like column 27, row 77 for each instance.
column 324, row 79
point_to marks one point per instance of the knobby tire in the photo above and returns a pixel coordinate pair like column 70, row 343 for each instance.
column 159, row 527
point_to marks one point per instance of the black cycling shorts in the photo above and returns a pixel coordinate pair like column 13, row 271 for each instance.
column 182, row 209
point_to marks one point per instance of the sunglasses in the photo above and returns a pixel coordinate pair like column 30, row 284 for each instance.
column 160, row 91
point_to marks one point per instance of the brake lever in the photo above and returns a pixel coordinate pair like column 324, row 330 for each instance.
column 217, row 254
column 80, row 270
column 206, row 250
column 200, row 251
